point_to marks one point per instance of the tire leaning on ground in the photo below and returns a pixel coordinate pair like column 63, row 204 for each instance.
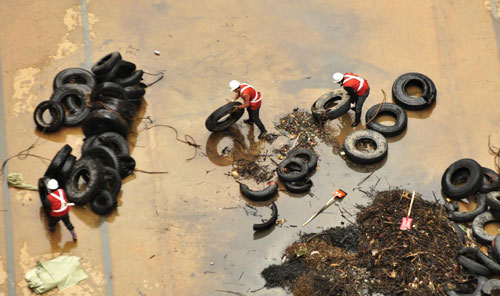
column 92, row 172
column 387, row 109
column 58, row 161
column 259, row 195
column 322, row 104
column 402, row 98
column 466, row 171
column 213, row 122
column 481, row 281
column 106, row 63
column 478, row 226
column 103, row 203
column 77, row 110
column 269, row 223
column 101, row 121
column 493, row 200
column 66, row 169
column 56, row 112
column 76, row 76
column 365, row 157
column 491, row 180
column 299, row 186
column 292, row 175
column 459, row 216
column 490, row 286
column 306, row 154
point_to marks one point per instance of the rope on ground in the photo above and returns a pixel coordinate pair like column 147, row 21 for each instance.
column 378, row 110
column 17, row 180
column 187, row 138
column 149, row 172
column 162, row 73
column 495, row 151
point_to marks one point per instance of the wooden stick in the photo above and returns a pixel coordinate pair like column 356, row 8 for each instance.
column 411, row 203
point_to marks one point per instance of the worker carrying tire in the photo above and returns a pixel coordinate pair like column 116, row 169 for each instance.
column 357, row 88
column 59, row 207
column 252, row 101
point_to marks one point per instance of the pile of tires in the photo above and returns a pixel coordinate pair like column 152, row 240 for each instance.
column 105, row 102
column 296, row 169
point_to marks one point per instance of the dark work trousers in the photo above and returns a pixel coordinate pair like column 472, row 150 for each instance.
column 359, row 103
column 65, row 218
column 254, row 117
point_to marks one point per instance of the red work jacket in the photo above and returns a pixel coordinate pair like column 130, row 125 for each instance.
column 358, row 84
column 255, row 98
column 58, row 203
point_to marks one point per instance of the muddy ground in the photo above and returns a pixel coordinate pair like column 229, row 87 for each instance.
column 189, row 232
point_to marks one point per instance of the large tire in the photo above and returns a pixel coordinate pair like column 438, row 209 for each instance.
column 56, row 112
column 108, row 89
column 478, row 226
column 88, row 143
column 292, row 175
column 58, row 161
column 493, row 200
column 127, row 165
column 123, row 107
column 269, row 223
column 112, row 140
column 491, row 180
column 103, row 203
column 78, row 94
column 105, row 155
column 74, row 75
column 323, row 103
column 260, row 195
column 299, row 186
column 213, row 122
column 365, row 157
column 134, row 92
column 306, row 154
column 92, row 172
column 402, row 98
column 134, row 78
column 66, row 169
column 387, row 109
column 112, row 180
column 101, row 121
column 43, row 192
column 106, row 63
column 469, row 216
column 467, row 170
column 125, row 69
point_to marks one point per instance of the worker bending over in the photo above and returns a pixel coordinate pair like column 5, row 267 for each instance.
column 357, row 88
column 252, row 101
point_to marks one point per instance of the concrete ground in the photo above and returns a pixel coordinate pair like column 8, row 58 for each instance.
column 189, row 232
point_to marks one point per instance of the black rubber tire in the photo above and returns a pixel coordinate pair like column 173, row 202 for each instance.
column 212, row 123
column 108, row 89
column 134, row 92
column 112, row 140
column 488, row 262
column 127, row 165
column 299, row 186
column 473, row 267
column 402, row 98
column 124, row 108
column 269, row 223
column 478, row 226
column 481, row 281
column 43, row 192
column 307, row 154
column 66, row 169
column 493, row 200
column 464, row 168
column 94, row 177
column 56, row 111
column 88, row 143
column 112, row 181
column 294, row 175
column 495, row 248
column 134, row 78
column 77, row 93
column 260, row 195
column 74, row 75
column 458, row 216
column 103, row 203
column 58, row 161
column 490, row 286
column 101, row 121
column 365, row 157
column 321, row 104
column 105, row 155
column 387, row 109
column 490, row 182
column 106, row 63
column 125, row 69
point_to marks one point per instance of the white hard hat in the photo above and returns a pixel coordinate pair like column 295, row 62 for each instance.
column 52, row 184
column 337, row 77
column 234, row 84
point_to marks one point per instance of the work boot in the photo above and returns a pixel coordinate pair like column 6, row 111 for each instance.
column 356, row 120
column 262, row 134
column 248, row 121
column 73, row 234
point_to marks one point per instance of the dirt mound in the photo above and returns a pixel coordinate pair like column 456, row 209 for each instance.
column 375, row 256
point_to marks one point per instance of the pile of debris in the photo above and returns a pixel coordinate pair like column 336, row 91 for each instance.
column 252, row 169
column 375, row 256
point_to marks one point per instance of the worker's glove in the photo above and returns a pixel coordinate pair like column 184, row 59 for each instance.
column 236, row 108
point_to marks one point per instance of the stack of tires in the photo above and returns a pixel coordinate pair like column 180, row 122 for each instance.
column 295, row 171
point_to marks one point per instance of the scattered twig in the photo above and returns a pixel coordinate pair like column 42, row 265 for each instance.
column 231, row 292
column 149, row 172
column 366, row 178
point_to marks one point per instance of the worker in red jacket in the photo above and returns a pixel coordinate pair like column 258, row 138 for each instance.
column 252, row 101
column 59, row 207
column 357, row 88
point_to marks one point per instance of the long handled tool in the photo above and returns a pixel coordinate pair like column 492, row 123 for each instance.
column 407, row 222
column 339, row 194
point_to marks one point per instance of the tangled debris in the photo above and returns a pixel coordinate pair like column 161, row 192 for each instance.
column 375, row 256
column 252, row 169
